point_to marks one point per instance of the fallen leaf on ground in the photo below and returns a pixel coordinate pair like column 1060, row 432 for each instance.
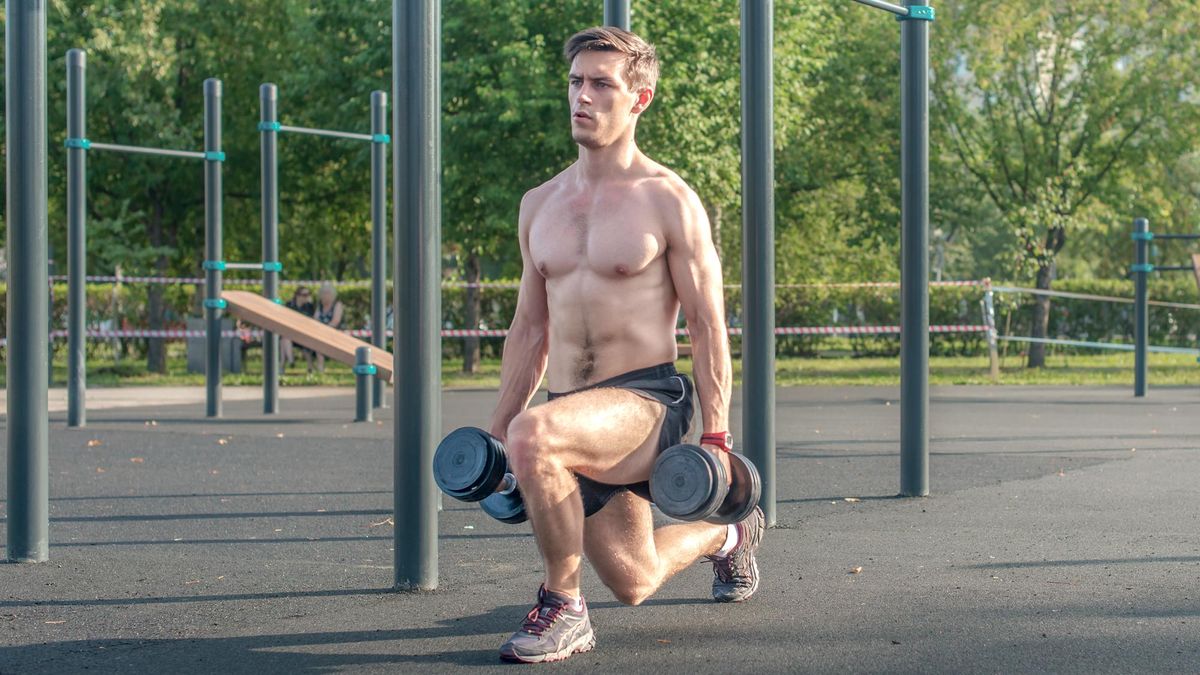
column 853, row 499
column 100, row 470
column 663, row 642
column 55, row 623
column 320, row 510
column 468, row 527
column 137, row 460
column 94, row 442
column 222, row 441
column 278, row 530
column 1061, row 472
column 385, row 521
column 215, row 471
column 193, row 581
column 856, row 570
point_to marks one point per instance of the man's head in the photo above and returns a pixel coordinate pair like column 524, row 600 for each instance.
column 611, row 81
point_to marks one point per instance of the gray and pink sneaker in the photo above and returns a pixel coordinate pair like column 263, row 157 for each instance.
column 552, row 631
column 735, row 576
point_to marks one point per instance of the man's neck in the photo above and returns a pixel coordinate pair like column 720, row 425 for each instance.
column 599, row 164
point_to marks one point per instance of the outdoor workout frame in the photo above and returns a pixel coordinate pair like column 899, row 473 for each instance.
column 78, row 145
column 417, row 229
column 270, row 128
column 1141, row 270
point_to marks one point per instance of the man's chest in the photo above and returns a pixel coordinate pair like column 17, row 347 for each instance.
column 612, row 238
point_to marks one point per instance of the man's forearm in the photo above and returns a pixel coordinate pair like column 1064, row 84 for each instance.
column 713, row 373
column 522, row 365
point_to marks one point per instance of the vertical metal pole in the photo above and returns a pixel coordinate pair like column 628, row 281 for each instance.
column 914, row 257
column 28, row 427
column 758, row 237
column 378, row 234
column 989, row 320
column 212, row 248
column 76, row 240
column 363, row 384
column 416, row 227
column 268, row 95
column 1141, row 305
column 616, row 13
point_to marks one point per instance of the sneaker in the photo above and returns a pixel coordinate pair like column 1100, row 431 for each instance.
column 735, row 576
column 552, row 631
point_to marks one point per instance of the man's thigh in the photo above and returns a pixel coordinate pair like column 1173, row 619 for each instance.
column 608, row 434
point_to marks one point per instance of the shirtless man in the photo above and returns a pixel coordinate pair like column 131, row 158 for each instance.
column 612, row 247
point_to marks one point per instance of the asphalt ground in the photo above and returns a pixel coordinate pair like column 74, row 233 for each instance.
column 1063, row 535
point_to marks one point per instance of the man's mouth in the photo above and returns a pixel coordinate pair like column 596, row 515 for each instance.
column 580, row 115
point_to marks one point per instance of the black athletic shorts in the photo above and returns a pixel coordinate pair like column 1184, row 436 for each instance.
column 661, row 383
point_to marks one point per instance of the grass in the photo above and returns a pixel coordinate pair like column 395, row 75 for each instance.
column 1062, row 368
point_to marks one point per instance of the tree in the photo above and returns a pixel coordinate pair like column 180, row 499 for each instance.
column 1046, row 104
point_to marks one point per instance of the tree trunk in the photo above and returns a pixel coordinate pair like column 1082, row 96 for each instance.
column 1041, row 315
column 471, row 344
column 156, row 353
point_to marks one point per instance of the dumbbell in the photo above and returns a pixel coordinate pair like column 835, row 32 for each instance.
column 689, row 483
column 470, row 465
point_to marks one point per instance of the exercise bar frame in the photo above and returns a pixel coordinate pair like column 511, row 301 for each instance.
column 1140, row 271
column 270, row 127
column 78, row 146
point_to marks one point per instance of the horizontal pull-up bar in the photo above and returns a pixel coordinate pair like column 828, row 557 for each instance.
column 85, row 144
column 349, row 135
column 916, row 12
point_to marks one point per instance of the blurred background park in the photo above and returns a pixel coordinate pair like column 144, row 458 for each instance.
column 1053, row 125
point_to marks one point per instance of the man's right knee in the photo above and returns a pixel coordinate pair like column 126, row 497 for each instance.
column 530, row 445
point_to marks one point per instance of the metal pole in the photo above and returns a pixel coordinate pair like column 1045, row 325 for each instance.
column 616, row 13
column 268, row 95
column 28, row 426
column 758, row 255
column 212, row 248
column 76, row 239
column 364, row 376
column 914, row 257
column 1141, row 306
column 989, row 319
column 378, row 234
column 416, row 297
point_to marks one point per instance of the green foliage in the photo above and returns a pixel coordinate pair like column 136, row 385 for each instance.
column 1056, row 109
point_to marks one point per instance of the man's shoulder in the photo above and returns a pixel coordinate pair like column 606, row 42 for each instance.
column 537, row 196
column 666, row 185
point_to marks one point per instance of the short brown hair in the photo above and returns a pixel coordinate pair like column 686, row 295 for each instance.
column 641, row 62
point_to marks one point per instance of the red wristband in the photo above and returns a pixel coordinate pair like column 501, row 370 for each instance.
column 721, row 439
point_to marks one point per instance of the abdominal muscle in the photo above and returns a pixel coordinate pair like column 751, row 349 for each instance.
column 603, row 326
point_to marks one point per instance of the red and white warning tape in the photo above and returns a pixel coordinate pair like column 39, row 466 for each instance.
column 179, row 334
column 485, row 284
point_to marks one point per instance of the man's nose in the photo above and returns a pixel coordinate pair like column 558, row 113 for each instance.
column 585, row 97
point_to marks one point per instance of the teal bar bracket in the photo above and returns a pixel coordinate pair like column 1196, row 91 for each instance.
column 215, row 303
column 78, row 143
column 1143, row 236
column 918, row 13
column 269, row 126
column 1142, row 267
column 214, row 156
column 381, row 138
column 214, row 265
column 272, row 267
column 365, row 370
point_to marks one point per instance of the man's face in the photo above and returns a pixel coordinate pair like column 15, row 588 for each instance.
column 602, row 105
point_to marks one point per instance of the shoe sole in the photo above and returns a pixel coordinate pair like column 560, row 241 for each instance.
column 555, row 656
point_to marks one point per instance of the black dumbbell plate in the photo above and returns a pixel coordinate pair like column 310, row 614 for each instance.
column 683, row 484
column 464, row 465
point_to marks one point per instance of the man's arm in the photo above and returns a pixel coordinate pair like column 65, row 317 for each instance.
column 696, row 274
column 527, row 346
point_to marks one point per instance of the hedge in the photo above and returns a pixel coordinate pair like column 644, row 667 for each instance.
column 125, row 307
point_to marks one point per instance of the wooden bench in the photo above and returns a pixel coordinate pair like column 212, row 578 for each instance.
column 304, row 330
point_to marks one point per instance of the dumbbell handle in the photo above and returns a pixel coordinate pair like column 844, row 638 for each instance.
column 508, row 484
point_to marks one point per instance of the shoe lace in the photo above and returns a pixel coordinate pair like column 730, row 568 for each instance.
column 540, row 618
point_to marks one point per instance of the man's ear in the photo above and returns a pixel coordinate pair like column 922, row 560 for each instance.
column 645, row 96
